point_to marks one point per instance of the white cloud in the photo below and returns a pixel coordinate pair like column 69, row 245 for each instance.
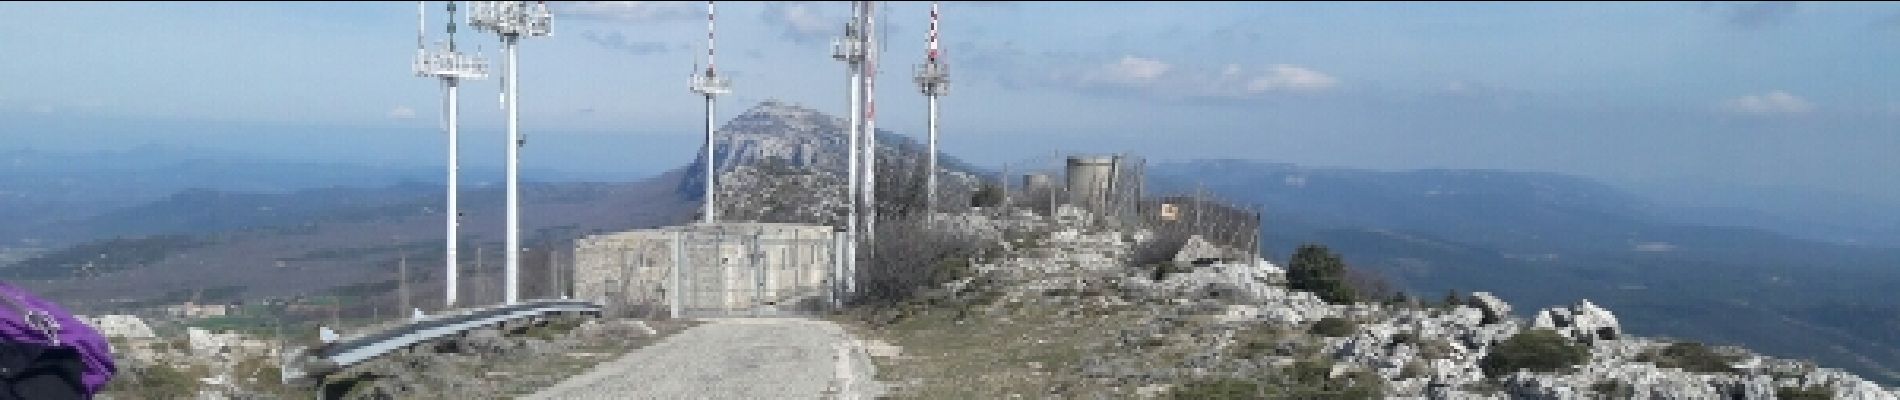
column 1131, row 71
column 402, row 112
column 1112, row 74
column 631, row 11
column 1291, row 77
column 1771, row 103
column 1655, row 247
column 801, row 22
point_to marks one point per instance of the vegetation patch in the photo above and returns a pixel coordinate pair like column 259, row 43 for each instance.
column 1540, row 350
column 1692, row 357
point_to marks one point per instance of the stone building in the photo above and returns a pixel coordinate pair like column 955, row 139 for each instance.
column 720, row 268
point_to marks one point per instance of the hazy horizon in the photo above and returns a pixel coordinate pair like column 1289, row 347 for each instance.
column 1748, row 94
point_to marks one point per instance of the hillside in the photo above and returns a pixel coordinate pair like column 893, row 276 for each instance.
column 1545, row 239
column 354, row 249
column 1061, row 307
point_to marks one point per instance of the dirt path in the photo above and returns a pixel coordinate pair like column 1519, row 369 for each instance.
column 777, row 358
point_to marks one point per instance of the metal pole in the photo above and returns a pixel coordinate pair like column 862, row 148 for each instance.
column 758, row 273
column 402, row 285
column 455, row 214
column 711, row 210
column 512, row 255
column 851, row 217
column 930, row 183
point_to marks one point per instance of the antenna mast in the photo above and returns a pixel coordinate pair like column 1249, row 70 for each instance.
column 709, row 84
column 869, row 76
column 512, row 20
column 451, row 67
column 850, row 49
column 933, row 77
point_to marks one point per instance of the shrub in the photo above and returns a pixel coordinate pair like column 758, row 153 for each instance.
column 1804, row 393
column 1257, row 342
column 1226, row 388
column 1540, row 350
column 1613, row 390
column 1316, row 269
column 989, row 195
column 1314, row 379
column 911, row 256
column 1691, row 356
column 1334, row 327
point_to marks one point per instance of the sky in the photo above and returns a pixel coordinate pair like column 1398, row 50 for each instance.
column 1769, row 93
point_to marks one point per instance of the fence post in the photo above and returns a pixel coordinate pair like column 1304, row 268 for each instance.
column 837, row 268
column 758, row 274
column 673, row 295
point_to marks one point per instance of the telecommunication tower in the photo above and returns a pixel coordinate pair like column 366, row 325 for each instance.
column 851, row 50
column 933, row 77
column 870, row 39
column 451, row 66
column 512, row 20
column 708, row 83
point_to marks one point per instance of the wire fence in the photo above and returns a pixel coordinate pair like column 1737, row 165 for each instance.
column 1116, row 192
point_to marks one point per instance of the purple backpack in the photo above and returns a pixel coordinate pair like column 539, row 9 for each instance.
column 27, row 318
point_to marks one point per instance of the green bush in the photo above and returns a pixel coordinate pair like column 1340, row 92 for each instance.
column 1334, row 327
column 1541, row 350
column 1804, row 393
column 1613, row 390
column 1227, row 388
column 1316, row 269
column 1691, row 356
column 988, row 195
column 1257, row 342
column 1314, row 379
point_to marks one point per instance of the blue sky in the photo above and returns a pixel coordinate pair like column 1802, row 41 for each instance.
column 1773, row 93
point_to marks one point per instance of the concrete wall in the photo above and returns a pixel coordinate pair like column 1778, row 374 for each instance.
column 725, row 267
column 1090, row 179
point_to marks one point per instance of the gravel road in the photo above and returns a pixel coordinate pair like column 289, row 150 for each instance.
column 756, row 358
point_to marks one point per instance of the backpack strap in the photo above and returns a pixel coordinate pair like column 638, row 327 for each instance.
column 39, row 320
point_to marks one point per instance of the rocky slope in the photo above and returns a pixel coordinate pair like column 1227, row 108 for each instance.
column 1232, row 324
column 781, row 162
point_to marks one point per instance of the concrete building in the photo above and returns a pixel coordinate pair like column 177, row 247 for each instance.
column 715, row 269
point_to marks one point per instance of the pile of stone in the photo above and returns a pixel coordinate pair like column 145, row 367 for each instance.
column 1584, row 322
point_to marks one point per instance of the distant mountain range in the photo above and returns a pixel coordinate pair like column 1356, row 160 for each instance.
column 259, row 229
column 53, row 199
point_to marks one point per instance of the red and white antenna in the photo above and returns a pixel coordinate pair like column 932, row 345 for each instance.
column 709, row 85
column 933, row 77
column 933, row 31
column 871, row 55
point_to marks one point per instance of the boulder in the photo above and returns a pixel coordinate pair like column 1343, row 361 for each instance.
column 1584, row 322
column 1495, row 310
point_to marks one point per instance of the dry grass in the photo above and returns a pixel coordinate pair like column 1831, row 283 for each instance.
column 1009, row 351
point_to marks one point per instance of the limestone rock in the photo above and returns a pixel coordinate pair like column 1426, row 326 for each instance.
column 1495, row 310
